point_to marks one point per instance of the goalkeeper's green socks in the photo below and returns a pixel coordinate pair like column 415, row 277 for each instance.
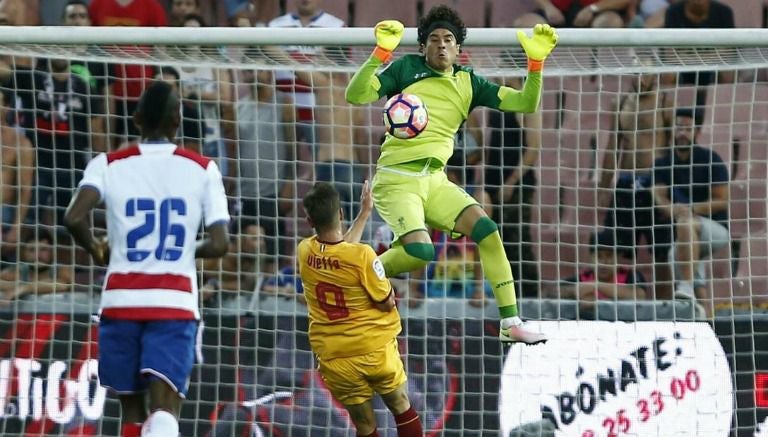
column 404, row 258
column 496, row 268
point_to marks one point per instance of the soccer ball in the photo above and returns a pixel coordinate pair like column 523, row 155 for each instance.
column 405, row 116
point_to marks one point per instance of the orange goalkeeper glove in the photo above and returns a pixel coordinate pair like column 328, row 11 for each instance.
column 388, row 35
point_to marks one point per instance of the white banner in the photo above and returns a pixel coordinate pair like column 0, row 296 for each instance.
column 608, row 379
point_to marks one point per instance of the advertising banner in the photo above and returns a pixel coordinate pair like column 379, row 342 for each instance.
column 598, row 379
column 258, row 378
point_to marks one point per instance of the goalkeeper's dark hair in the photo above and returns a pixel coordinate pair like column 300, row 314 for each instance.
column 442, row 14
column 322, row 206
column 158, row 109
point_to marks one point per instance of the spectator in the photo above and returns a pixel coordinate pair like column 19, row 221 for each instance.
column 98, row 75
column 210, row 89
column 650, row 13
column 21, row 12
column 642, row 121
column 75, row 14
column 690, row 189
column 18, row 13
column 36, row 273
column 329, row 132
column 266, row 142
column 58, row 115
column 579, row 13
column 606, row 278
column 127, row 13
column 129, row 79
column 18, row 171
column 510, row 181
column 698, row 14
column 307, row 14
column 190, row 135
column 245, row 269
column 181, row 9
column 257, row 12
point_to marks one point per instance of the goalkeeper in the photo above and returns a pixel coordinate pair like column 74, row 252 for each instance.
column 410, row 189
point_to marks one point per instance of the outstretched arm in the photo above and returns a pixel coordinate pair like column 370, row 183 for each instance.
column 537, row 48
column 364, row 86
column 355, row 232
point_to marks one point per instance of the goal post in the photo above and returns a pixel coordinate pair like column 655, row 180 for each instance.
column 268, row 105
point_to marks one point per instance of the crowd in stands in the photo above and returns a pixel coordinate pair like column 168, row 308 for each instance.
column 271, row 143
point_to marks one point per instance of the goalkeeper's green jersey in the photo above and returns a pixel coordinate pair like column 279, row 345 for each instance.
column 449, row 98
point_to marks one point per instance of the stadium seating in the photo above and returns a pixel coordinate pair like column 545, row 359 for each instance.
column 472, row 12
column 504, row 12
column 746, row 13
column 369, row 12
column 339, row 8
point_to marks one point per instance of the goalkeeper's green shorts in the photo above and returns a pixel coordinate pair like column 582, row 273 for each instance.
column 410, row 200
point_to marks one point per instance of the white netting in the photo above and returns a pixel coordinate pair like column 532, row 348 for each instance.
column 276, row 120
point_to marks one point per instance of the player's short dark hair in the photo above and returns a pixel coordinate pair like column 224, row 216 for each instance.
column 442, row 17
column 322, row 205
column 158, row 106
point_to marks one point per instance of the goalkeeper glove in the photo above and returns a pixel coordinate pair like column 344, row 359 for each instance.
column 540, row 45
column 388, row 35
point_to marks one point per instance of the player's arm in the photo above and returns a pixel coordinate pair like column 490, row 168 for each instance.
column 355, row 232
column 508, row 99
column 215, row 243
column 78, row 222
column 388, row 304
column 374, row 280
column 77, row 218
column 216, row 213
column 365, row 86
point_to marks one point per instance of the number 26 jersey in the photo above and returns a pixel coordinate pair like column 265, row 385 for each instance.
column 156, row 197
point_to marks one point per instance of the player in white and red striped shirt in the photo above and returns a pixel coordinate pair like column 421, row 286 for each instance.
column 156, row 196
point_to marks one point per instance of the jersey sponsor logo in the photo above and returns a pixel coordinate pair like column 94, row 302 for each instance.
column 597, row 379
column 378, row 268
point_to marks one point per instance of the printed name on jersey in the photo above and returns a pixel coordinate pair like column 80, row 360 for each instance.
column 323, row 262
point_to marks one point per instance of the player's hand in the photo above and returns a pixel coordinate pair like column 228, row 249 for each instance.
column 366, row 200
column 541, row 44
column 100, row 251
column 388, row 34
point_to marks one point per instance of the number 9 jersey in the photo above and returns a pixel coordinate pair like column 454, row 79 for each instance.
column 156, row 197
column 342, row 281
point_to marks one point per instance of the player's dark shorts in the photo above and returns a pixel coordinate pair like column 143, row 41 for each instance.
column 131, row 354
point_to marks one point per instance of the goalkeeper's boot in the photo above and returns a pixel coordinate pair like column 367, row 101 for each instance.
column 513, row 331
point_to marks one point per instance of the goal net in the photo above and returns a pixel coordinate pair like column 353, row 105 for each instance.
column 637, row 353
